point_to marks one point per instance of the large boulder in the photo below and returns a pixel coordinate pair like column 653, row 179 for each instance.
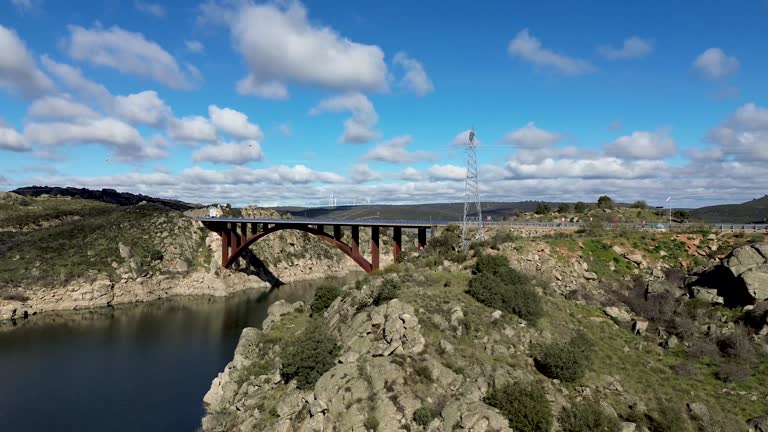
column 745, row 258
column 758, row 424
column 756, row 282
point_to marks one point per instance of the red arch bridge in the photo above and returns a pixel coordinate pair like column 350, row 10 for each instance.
column 239, row 233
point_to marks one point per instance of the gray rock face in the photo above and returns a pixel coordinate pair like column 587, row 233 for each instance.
column 639, row 327
column 707, row 294
column 744, row 258
column 279, row 309
column 756, row 281
column 758, row 424
column 588, row 275
column 617, row 314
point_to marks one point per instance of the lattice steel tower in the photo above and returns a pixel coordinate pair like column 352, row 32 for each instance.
column 471, row 196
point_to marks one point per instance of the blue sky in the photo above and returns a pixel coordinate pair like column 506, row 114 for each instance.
column 288, row 102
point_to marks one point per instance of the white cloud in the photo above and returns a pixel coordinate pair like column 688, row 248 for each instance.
column 10, row 139
column 250, row 86
column 528, row 48
column 153, row 9
column 234, row 123
column 744, row 135
column 280, row 46
column 643, row 145
column 705, row 154
column 18, row 72
column 194, row 46
column 633, row 48
column 359, row 128
column 129, row 53
column 362, row 173
column 191, row 129
column 415, row 79
column 531, row 137
column 713, row 63
column 394, row 151
column 114, row 134
column 73, row 78
column 235, row 153
column 60, row 107
column 447, row 172
column 604, row 167
column 142, row 108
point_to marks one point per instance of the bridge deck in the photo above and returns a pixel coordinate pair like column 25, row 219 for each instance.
column 360, row 222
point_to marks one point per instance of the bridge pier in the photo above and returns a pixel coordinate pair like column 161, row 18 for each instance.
column 397, row 239
column 422, row 242
column 374, row 248
column 355, row 240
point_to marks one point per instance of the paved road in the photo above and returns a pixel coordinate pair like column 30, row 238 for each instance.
column 428, row 224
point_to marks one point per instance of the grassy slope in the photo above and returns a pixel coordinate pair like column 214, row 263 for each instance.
column 755, row 211
column 50, row 241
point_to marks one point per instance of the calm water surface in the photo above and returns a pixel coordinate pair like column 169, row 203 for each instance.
column 141, row 367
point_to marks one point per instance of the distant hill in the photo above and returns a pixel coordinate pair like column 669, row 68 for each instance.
column 110, row 196
column 755, row 211
column 433, row 211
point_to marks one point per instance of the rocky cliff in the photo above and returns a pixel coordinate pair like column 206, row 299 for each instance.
column 431, row 358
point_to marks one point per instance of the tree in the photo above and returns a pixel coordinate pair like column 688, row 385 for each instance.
column 563, row 208
column 580, row 207
column 604, row 202
column 642, row 205
column 543, row 209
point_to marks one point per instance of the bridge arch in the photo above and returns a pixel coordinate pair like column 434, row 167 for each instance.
column 241, row 243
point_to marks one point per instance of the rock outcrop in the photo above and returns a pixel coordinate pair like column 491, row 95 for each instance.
column 741, row 277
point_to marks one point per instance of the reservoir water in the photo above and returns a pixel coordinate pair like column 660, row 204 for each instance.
column 141, row 367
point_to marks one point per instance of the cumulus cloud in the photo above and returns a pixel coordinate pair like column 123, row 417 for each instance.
column 128, row 52
column 153, row 9
column 713, row 63
column 359, row 128
column 73, row 78
column 18, row 72
column 362, row 173
column 394, row 151
column 744, row 135
column 11, row 140
column 234, row 123
column 194, row 46
column 60, row 107
column 279, row 43
column 531, row 137
column 123, row 139
column 235, row 153
column 633, row 48
column 447, row 172
column 143, row 108
column 192, row 129
column 415, row 79
column 528, row 48
column 643, row 145
column 604, row 167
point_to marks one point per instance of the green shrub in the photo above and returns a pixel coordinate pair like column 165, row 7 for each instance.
column 642, row 205
column 543, row 209
column 422, row 416
column 580, row 207
column 389, row 289
column 668, row 418
column 586, row 416
column 604, row 202
column 308, row 357
column 563, row 208
column 566, row 361
column 525, row 406
column 325, row 294
column 496, row 285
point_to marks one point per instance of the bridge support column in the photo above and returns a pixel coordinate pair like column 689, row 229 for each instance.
column 254, row 228
column 234, row 238
column 422, row 239
column 224, row 232
column 397, row 238
column 355, row 240
column 374, row 248
column 337, row 232
column 321, row 228
column 243, row 232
